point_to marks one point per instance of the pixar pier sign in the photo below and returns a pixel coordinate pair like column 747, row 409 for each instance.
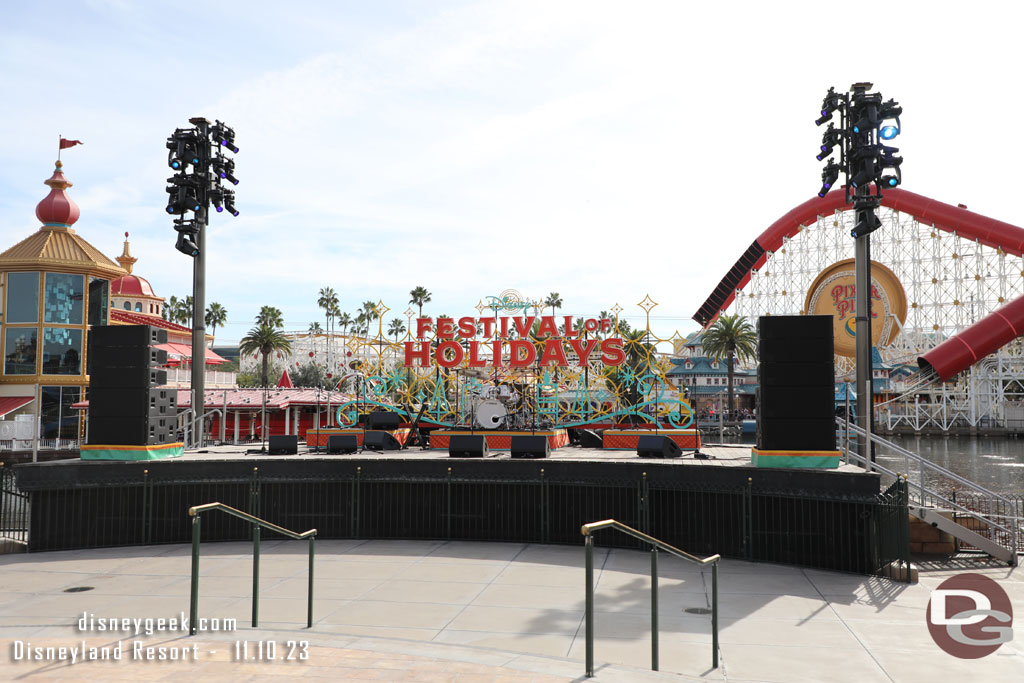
column 482, row 342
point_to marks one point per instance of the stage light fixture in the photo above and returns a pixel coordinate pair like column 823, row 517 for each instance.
column 867, row 225
column 829, row 175
column 186, row 246
column 888, row 132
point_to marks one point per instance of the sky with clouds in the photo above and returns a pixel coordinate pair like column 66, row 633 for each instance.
column 601, row 150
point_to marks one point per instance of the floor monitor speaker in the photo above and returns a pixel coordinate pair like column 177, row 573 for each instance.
column 530, row 446
column 284, row 444
column 380, row 441
column 342, row 443
column 591, row 439
column 467, row 446
column 657, row 446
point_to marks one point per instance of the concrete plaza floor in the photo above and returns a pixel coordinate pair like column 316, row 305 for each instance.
column 453, row 611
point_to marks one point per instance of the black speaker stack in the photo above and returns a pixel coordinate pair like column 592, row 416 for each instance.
column 127, row 405
column 796, row 385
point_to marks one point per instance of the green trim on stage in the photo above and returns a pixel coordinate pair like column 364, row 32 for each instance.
column 118, row 452
column 779, row 459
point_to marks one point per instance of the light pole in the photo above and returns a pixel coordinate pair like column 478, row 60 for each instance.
column 865, row 161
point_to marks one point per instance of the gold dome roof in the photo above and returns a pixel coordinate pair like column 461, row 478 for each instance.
column 55, row 246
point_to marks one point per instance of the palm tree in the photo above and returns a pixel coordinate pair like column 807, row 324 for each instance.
column 265, row 339
column 370, row 312
column 419, row 296
column 358, row 323
column 270, row 316
column 329, row 302
column 171, row 309
column 730, row 337
column 554, row 301
column 216, row 316
column 314, row 330
column 395, row 328
column 343, row 319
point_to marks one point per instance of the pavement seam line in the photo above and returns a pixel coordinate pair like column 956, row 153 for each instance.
column 828, row 602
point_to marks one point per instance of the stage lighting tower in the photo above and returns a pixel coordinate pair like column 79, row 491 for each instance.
column 866, row 122
column 196, row 155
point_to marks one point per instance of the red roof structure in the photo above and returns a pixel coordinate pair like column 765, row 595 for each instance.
column 9, row 404
column 285, row 381
column 129, row 318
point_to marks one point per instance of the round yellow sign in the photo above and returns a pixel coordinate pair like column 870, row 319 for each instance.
column 834, row 292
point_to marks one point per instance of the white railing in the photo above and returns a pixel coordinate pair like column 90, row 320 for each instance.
column 44, row 444
column 213, row 378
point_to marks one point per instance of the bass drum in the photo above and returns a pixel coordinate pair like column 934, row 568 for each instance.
column 491, row 414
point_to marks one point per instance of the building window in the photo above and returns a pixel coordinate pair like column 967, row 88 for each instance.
column 20, row 351
column 58, row 419
column 62, row 351
column 138, row 307
column 22, row 298
column 127, row 305
column 99, row 300
column 65, row 295
column 151, row 309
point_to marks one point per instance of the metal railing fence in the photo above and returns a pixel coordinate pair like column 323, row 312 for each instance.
column 843, row 533
column 992, row 515
column 14, row 507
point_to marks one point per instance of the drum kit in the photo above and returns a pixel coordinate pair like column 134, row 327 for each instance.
column 500, row 407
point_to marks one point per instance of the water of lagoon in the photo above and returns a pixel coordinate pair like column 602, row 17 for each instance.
column 995, row 463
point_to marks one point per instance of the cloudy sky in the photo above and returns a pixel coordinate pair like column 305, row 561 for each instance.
column 601, row 150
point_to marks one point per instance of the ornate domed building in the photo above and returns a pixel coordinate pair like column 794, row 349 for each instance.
column 131, row 292
column 54, row 286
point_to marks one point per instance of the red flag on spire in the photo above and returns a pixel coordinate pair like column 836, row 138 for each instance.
column 64, row 144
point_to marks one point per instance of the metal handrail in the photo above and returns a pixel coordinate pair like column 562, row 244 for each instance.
column 588, row 529
column 926, row 495
column 196, row 511
column 187, row 427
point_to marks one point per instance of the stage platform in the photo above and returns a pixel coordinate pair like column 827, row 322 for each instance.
column 725, row 466
column 833, row 519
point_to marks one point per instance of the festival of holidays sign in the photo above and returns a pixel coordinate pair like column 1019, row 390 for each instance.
column 834, row 292
column 459, row 340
